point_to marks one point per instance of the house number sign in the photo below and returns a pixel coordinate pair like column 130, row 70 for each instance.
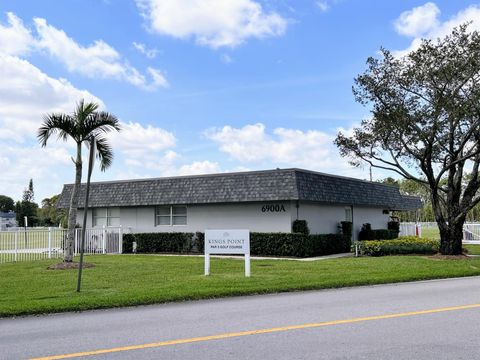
column 273, row 208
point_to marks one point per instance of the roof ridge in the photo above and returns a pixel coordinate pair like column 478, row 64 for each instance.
column 193, row 176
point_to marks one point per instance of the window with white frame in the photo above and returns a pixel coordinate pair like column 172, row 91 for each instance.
column 348, row 214
column 106, row 216
column 170, row 215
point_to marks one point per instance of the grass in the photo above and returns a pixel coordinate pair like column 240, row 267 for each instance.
column 29, row 288
column 472, row 249
column 30, row 240
column 430, row 233
column 433, row 233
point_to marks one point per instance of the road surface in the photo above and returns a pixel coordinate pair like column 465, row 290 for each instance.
column 423, row 320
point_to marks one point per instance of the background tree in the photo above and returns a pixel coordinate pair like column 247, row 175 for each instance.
column 84, row 124
column 28, row 193
column 26, row 207
column 6, row 203
column 49, row 214
column 425, row 124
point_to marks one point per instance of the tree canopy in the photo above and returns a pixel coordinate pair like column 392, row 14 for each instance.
column 425, row 124
column 6, row 203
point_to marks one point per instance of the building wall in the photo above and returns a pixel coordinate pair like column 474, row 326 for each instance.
column 374, row 216
column 257, row 217
column 324, row 219
column 321, row 219
column 210, row 216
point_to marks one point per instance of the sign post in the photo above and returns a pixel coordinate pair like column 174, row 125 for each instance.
column 236, row 241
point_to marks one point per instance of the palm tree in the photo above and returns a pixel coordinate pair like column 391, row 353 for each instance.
column 86, row 124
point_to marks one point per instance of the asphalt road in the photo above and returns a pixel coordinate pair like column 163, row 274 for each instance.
column 422, row 320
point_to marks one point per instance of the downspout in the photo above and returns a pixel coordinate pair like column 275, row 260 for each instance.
column 353, row 225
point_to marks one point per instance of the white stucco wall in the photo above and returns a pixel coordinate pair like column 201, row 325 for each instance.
column 374, row 216
column 209, row 216
column 321, row 218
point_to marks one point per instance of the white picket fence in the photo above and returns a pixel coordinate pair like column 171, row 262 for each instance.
column 46, row 243
column 471, row 231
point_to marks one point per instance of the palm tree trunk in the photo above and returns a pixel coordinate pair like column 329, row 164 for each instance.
column 72, row 214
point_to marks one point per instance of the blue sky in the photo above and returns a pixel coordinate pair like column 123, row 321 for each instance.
column 200, row 86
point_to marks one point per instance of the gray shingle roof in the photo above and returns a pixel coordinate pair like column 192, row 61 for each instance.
column 268, row 185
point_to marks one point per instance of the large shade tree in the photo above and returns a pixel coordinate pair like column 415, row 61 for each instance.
column 6, row 203
column 424, row 126
column 83, row 125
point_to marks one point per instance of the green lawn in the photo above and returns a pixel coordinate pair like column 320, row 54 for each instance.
column 29, row 288
column 32, row 239
column 472, row 249
column 430, row 233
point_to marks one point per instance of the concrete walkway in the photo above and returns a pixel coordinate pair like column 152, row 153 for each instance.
column 317, row 258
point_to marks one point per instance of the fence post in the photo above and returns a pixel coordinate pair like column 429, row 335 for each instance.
column 75, row 244
column 16, row 244
column 120, row 240
column 49, row 242
column 104, row 239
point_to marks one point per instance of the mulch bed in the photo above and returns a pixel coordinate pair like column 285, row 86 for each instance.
column 449, row 257
column 69, row 265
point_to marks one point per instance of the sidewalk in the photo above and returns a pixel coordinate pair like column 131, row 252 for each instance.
column 318, row 258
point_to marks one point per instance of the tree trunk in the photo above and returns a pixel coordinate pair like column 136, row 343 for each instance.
column 72, row 214
column 451, row 237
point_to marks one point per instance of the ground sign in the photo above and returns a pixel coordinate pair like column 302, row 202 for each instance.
column 227, row 241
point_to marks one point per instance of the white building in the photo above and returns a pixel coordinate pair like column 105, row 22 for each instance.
column 7, row 220
column 261, row 201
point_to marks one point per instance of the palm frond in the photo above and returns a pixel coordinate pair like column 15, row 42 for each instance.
column 62, row 124
column 103, row 152
column 83, row 111
column 101, row 122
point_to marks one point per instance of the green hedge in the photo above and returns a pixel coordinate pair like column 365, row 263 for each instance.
column 401, row 246
column 367, row 233
column 300, row 227
column 261, row 244
column 297, row 245
column 174, row 242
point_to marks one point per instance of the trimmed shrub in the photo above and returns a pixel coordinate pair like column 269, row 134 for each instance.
column 300, row 227
column 347, row 228
column 401, row 246
column 159, row 242
column 297, row 245
column 367, row 233
column 261, row 244
column 394, row 225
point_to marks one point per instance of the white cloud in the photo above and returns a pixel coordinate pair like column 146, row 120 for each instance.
column 41, row 165
column 137, row 141
column 433, row 27
column 251, row 144
column 213, row 23
column 142, row 48
column 158, row 79
column 419, row 20
column 199, row 167
column 98, row 60
column 226, row 59
column 15, row 38
column 322, row 5
column 26, row 93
